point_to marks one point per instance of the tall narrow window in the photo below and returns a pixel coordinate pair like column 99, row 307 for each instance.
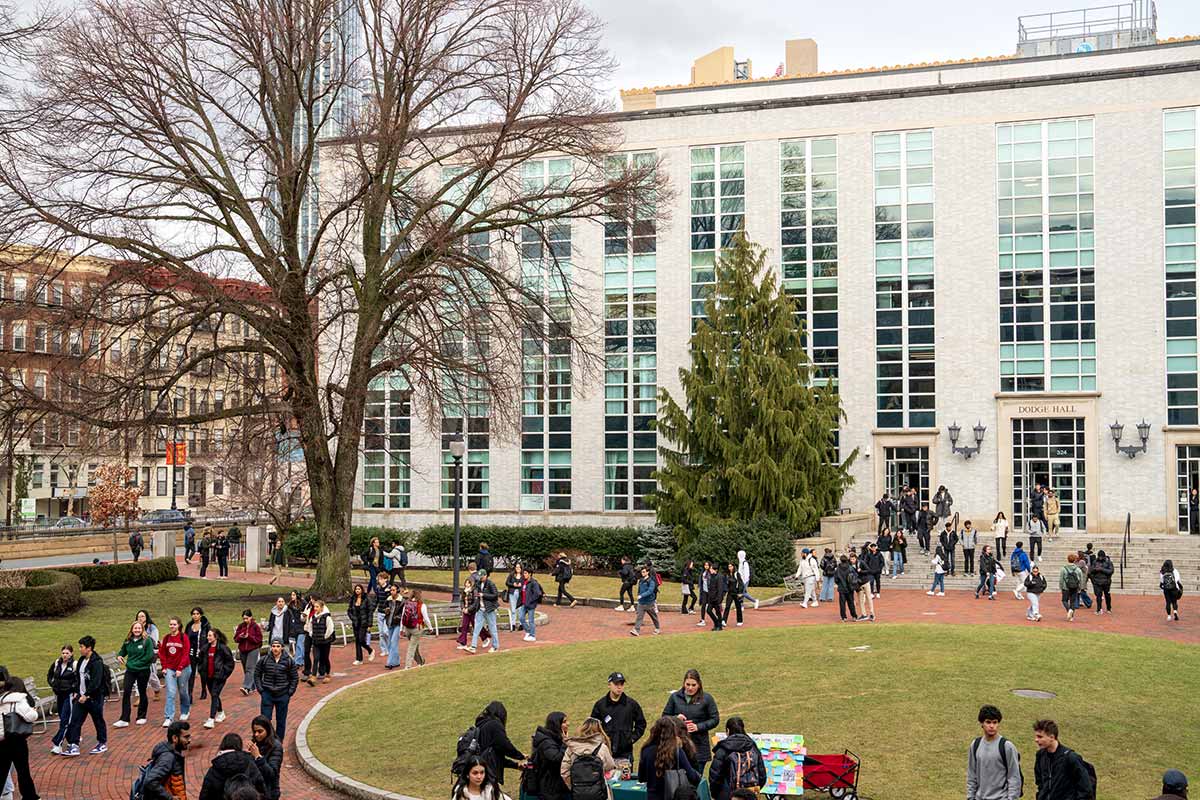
column 1179, row 217
column 718, row 212
column 904, row 291
column 545, row 256
column 808, row 235
column 630, row 350
column 1047, row 256
column 387, row 443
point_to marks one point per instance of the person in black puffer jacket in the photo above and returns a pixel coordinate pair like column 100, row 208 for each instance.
column 987, row 573
column 699, row 712
column 362, row 606
column 267, row 752
column 231, row 760
column 547, row 755
column 276, row 677
column 735, row 756
column 64, row 682
column 494, row 745
column 1101, row 574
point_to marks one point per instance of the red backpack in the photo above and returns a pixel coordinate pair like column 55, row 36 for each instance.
column 411, row 616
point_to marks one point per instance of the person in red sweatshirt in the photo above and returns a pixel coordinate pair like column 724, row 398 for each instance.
column 177, row 670
column 249, row 640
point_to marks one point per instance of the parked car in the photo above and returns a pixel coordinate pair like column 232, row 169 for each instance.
column 69, row 522
column 165, row 516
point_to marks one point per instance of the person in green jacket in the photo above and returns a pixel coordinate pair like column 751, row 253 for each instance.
column 1070, row 582
column 137, row 656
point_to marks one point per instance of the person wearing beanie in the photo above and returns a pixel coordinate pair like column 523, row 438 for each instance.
column 1174, row 786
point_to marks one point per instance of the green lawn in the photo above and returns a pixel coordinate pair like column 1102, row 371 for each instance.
column 580, row 585
column 907, row 706
column 28, row 646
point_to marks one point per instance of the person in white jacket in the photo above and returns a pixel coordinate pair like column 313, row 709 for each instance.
column 744, row 572
column 808, row 572
column 14, row 747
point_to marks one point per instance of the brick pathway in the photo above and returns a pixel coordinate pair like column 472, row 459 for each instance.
column 108, row 776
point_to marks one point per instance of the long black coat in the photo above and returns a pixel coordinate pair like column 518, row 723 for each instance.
column 702, row 711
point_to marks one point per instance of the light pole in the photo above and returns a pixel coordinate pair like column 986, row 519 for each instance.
column 458, row 448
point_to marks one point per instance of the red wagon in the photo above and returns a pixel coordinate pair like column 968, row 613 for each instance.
column 835, row 775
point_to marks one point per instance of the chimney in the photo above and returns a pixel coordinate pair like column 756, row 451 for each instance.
column 800, row 57
column 719, row 66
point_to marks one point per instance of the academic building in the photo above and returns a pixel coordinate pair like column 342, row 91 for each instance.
column 995, row 259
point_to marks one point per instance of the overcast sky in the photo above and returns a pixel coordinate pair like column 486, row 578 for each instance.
column 656, row 41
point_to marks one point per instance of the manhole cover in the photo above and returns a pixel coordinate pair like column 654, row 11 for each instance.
column 1035, row 694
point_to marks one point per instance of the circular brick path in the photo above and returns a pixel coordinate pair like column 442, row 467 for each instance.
column 108, row 776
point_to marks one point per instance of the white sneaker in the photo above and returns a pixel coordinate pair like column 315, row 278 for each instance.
column 141, row 721
column 493, row 650
column 619, row 608
column 120, row 724
column 816, row 604
column 941, row 594
column 756, row 605
column 804, row 604
column 57, row 749
column 372, row 656
column 167, row 722
column 635, row 633
column 355, row 663
column 209, row 723
column 528, row 638
column 700, row 624
column 930, row 593
column 183, row 717
column 739, row 625
column 220, row 716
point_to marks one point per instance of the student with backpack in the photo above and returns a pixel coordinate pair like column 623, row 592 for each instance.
column 531, row 597
column 543, row 779
column 847, row 581
column 1070, row 581
column 1019, row 564
column 562, row 573
column 416, row 621
column 1172, row 588
column 489, row 601
column 993, row 762
column 136, row 545
column 18, row 713
column 163, row 778
column 372, row 559
column 396, row 561
column 491, row 740
column 828, row 570
column 1060, row 772
column 737, row 762
column 628, row 577
column 588, row 762
column 95, row 682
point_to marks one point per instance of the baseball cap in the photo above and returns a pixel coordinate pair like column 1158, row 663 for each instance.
column 1174, row 779
column 616, row 677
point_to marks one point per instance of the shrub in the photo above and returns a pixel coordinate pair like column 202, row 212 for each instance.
column 46, row 593
column 766, row 540
column 600, row 547
column 125, row 574
column 302, row 543
column 658, row 544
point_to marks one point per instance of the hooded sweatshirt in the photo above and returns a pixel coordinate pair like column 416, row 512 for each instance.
column 227, row 764
column 735, row 748
column 548, row 752
column 743, row 567
column 577, row 747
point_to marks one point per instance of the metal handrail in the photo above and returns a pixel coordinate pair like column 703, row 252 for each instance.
column 1125, row 540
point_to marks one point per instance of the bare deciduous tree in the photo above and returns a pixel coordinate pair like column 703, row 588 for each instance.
column 396, row 176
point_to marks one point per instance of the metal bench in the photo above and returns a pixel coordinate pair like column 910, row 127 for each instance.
column 118, row 672
column 44, row 705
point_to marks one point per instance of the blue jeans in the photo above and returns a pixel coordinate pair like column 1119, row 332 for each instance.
column 489, row 618
column 527, row 620
column 381, row 624
column 393, row 650
column 65, row 704
column 826, row 588
column 279, row 703
column 1083, row 598
column 939, row 582
column 176, row 683
column 746, row 596
column 513, row 597
column 987, row 582
column 301, row 644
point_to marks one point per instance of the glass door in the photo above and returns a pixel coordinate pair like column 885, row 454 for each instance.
column 1187, row 478
column 1062, row 481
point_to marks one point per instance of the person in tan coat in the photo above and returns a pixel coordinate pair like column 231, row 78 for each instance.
column 1053, row 508
column 590, row 738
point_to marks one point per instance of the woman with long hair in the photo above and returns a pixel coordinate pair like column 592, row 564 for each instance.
column 321, row 632
column 414, row 632
column 249, row 638
column 589, row 740
column 687, row 585
column 735, row 749
column 64, row 682
column 1172, row 588
column 137, row 656
column 267, row 752
column 939, row 572
column 218, row 666
column 698, row 710
column 661, row 753
column 14, row 747
column 477, row 782
column 468, row 606
column 547, row 751
column 513, row 583
column 362, row 605
column 492, row 728
column 1000, row 533
column 174, row 652
column 197, row 634
column 151, row 631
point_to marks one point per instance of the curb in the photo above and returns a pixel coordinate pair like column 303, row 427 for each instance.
column 331, row 778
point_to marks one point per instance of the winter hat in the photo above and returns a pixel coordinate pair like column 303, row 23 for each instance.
column 1174, row 779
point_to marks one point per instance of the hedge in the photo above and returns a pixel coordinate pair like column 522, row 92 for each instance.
column 598, row 547
column 47, row 593
column 766, row 540
column 301, row 542
column 125, row 574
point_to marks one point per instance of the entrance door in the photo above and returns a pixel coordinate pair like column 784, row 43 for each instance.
column 907, row 468
column 1062, row 481
column 1187, row 478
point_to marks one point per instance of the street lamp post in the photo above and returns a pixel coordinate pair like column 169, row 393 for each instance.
column 458, row 448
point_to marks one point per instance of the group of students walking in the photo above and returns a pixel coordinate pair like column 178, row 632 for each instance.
column 671, row 763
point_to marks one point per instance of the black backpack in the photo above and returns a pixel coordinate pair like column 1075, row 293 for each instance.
column 1091, row 773
column 1072, row 580
column 1168, row 582
column 1004, row 762
column 468, row 745
column 106, row 678
column 138, row 790
column 587, row 777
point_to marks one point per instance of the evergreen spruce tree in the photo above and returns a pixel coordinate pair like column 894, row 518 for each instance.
column 755, row 435
column 657, row 543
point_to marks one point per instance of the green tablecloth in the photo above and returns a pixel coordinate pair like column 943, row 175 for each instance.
column 632, row 790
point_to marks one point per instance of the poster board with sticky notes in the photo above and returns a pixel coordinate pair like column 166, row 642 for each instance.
column 783, row 754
